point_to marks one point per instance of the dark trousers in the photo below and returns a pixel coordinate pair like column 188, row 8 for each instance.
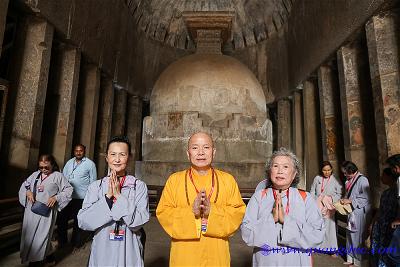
column 69, row 212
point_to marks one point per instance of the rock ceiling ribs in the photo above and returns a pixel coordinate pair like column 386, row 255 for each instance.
column 255, row 20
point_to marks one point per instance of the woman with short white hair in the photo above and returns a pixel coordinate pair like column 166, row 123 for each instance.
column 282, row 223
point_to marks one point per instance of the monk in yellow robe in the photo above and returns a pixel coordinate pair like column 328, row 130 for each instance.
column 200, row 208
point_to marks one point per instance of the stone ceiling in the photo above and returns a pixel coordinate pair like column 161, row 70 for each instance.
column 255, row 20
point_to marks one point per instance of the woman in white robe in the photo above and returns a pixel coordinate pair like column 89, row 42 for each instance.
column 116, row 208
column 282, row 223
column 358, row 196
column 48, row 186
column 327, row 189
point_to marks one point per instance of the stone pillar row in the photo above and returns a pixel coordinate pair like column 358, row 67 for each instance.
column 87, row 111
column 358, row 94
column 330, row 115
column 383, row 52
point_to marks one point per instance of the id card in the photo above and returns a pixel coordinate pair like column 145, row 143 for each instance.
column 40, row 188
column 119, row 236
column 204, row 223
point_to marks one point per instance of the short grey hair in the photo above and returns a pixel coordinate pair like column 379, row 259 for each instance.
column 284, row 152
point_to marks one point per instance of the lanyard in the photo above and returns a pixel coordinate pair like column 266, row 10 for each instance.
column 212, row 185
column 350, row 182
column 287, row 204
column 75, row 166
column 327, row 182
column 118, row 223
column 121, row 184
column 42, row 179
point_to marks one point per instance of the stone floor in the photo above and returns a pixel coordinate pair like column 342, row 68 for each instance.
column 157, row 252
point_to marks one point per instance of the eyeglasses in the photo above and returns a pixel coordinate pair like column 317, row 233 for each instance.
column 44, row 168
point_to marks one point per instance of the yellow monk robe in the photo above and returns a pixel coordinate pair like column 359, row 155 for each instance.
column 190, row 246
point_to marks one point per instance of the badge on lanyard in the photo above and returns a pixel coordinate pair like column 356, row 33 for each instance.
column 117, row 236
column 40, row 188
column 204, row 223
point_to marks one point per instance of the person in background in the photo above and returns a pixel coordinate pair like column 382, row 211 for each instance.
column 382, row 230
column 44, row 193
column 282, row 222
column 327, row 189
column 116, row 208
column 394, row 163
column 357, row 194
column 80, row 172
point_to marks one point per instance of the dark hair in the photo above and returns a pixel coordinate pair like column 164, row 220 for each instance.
column 349, row 167
column 394, row 160
column 326, row 163
column 284, row 152
column 83, row 146
column 388, row 172
column 51, row 159
column 119, row 139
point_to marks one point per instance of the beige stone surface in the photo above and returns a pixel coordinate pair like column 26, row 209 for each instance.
column 119, row 112
column 212, row 93
column 330, row 116
column 381, row 32
column 66, row 86
column 31, row 94
column 312, row 153
column 88, row 105
column 105, row 117
column 134, row 128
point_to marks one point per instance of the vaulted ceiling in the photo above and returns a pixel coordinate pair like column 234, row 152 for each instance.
column 254, row 21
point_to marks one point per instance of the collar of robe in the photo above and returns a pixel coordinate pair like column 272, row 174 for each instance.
column 189, row 173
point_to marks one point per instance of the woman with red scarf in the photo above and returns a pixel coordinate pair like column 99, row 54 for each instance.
column 357, row 194
column 327, row 189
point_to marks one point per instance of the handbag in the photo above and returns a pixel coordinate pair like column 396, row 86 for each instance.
column 41, row 209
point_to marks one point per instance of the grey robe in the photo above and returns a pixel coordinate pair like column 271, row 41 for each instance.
column 282, row 245
column 360, row 197
column 334, row 189
column 37, row 230
column 131, row 208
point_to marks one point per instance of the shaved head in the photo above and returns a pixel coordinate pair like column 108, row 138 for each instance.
column 201, row 151
column 201, row 134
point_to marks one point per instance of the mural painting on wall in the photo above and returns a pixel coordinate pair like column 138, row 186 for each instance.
column 393, row 121
column 174, row 120
column 215, row 99
column 356, row 128
column 331, row 140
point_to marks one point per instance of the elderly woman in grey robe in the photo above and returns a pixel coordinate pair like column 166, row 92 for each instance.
column 326, row 189
column 282, row 223
column 50, row 189
column 116, row 208
column 357, row 194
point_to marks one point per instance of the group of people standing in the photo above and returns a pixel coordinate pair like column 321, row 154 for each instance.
column 374, row 236
column 200, row 208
